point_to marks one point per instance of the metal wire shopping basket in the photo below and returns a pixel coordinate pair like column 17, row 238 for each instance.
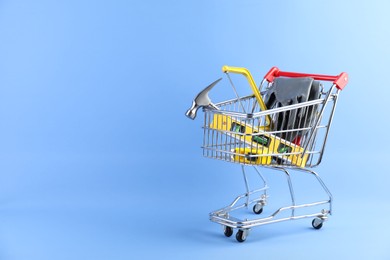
column 257, row 130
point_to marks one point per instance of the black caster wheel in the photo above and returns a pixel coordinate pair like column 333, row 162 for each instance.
column 317, row 223
column 228, row 231
column 241, row 235
column 258, row 208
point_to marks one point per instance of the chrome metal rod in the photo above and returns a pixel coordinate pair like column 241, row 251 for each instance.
column 290, row 186
column 311, row 135
column 231, row 206
column 329, row 125
column 267, row 220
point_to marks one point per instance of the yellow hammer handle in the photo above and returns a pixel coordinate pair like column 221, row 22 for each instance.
column 251, row 81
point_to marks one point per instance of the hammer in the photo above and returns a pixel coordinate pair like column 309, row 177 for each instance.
column 202, row 100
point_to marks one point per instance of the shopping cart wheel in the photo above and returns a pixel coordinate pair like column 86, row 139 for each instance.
column 317, row 223
column 241, row 235
column 258, row 208
column 228, row 231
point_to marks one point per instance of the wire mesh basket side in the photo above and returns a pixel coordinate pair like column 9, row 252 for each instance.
column 234, row 136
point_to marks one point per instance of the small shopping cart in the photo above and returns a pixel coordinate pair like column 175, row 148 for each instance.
column 283, row 126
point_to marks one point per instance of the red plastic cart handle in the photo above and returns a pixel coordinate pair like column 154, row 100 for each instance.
column 340, row 81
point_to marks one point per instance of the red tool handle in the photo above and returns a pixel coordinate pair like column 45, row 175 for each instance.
column 340, row 81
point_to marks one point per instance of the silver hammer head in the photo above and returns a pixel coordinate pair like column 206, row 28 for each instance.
column 201, row 100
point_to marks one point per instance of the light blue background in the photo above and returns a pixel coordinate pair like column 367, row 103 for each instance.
column 97, row 160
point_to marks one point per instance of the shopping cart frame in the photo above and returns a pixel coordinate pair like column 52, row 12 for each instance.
column 222, row 142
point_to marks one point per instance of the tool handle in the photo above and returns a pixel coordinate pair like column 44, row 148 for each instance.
column 251, row 82
column 340, row 80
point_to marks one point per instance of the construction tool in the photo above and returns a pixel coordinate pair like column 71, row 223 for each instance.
column 252, row 84
column 202, row 100
column 260, row 146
